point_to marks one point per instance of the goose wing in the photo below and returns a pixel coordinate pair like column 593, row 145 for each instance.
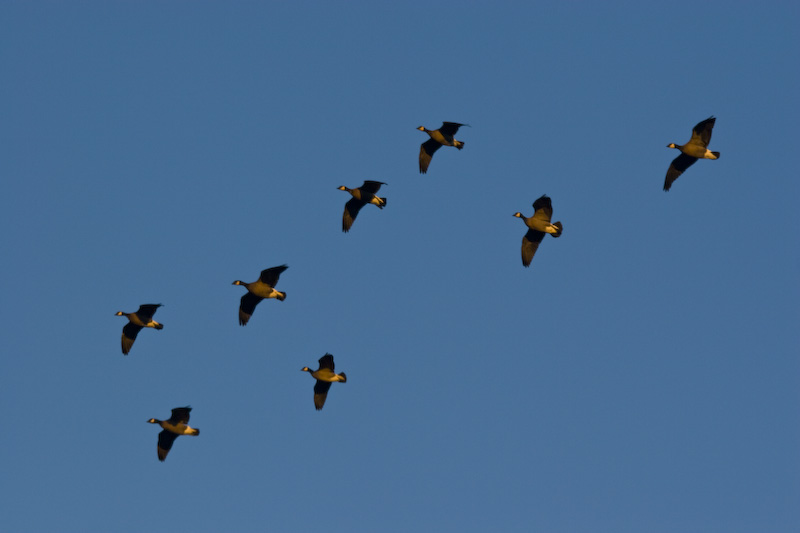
column 351, row 209
column 326, row 361
column 426, row 151
column 165, row 440
column 129, row 333
column 543, row 209
column 270, row 276
column 371, row 186
column 701, row 133
column 180, row 415
column 676, row 168
column 147, row 311
column 449, row 129
column 321, row 389
column 247, row 307
column 530, row 243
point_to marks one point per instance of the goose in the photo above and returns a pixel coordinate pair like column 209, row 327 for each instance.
column 143, row 318
column 172, row 428
column 324, row 376
column 538, row 225
column 263, row 287
column 441, row 137
column 696, row 148
column 361, row 196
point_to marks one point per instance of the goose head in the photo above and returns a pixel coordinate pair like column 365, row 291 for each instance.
column 238, row 282
column 343, row 188
column 672, row 145
column 153, row 421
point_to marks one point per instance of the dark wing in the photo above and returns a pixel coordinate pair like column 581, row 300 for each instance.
column 270, row 276
column 426, row 152
column 147, row 311
column 530, row 243
column 701, row 134
column 676, row 168
column 371, row 186
column 165, row 440
column 326, row 361
column 321, row 393
column 543, row 209
column 129, row 333
column 246, row 308
column 449, row 129
column 180, row 415
column 351, row 209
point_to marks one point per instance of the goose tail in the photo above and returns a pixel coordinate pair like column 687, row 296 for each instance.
column 560, row 227
column 281, row 296
column 458, row 144
column 715, row 154
column 344, row 377
column 159, row 326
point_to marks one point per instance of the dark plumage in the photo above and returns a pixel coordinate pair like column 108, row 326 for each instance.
column 176, row 425
column 696, row 148
column 143, row 318
column 538, row 225
column 441, row 137
column 263, row 287
column 324, row 376
column 361, row 196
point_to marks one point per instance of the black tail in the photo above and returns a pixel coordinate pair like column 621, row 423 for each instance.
column 159, row 326
column 281, row 296
column 344, row 376
column 716, row 154
column 560, row 229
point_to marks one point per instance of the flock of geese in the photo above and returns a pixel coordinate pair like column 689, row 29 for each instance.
column 538, row 224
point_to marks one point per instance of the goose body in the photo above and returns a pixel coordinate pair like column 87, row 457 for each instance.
column 444, row 136
column 177, row 425
column 366, row 194
column 260, row 289
column 324, row 375
column 696, row 148
column 143, row 318
column 538, row 225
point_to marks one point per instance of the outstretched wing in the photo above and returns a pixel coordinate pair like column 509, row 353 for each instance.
column 351, row 209
column 147, row 311
column 270, row 276
column 543, row 209
column 371, row 186
column 449, row 129
column 129, row 333
column 326, row 361
column 701, row 133
column 180, row 415
column 676, row 168
column 321, row 389
column 426, row 151
column 530, row 243
column 247, row 307
column 165, row 440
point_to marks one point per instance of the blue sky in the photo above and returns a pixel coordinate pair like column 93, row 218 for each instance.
column 642, row 375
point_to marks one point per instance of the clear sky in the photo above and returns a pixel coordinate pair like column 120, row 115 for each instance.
column 641, row 376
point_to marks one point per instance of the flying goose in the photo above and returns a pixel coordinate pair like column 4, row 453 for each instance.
column 143, row 318
column 538, row 225
column 361, row 196
column 324, row 376
column 263, row 287
column 441, row 137
column 696, row 148
column 175, row 426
